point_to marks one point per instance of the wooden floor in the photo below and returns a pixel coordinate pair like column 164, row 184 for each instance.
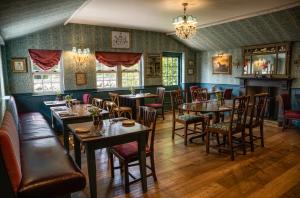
column 187, row 171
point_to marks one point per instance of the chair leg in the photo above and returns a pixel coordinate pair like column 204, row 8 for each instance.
column 243, row 142
column 163, row 113
column 153, row 166
column 262, row 141
column 126, row 177
column 185, row 134
column 284, row 123
column 112, row 168
column 173, row 129
column 207, row 141
column 231, row 147
column 218, row 138
column 251, row 138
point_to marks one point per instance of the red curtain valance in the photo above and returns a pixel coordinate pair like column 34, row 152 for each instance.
column 112, row 59
column 45, row 59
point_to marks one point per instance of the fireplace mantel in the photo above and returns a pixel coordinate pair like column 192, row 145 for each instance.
column 282, row 83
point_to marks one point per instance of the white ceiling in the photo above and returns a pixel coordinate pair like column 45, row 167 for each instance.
column 157, row 15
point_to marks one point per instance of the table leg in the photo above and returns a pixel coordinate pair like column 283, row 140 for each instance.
column 137, row 105
column 77, row 151
column 142, row 159
column 66, row 137
column 90, row 154
column 52, row 120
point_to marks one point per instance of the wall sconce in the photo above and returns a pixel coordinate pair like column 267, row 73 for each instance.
column 80, row 57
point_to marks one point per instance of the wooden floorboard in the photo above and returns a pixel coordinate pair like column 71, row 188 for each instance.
column 187, row 171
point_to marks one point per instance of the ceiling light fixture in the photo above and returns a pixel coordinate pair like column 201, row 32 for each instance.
column 185, row 25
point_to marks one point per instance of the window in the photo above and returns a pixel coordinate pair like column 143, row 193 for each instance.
column 171, row 63
column 47, row 81
column 118, row 76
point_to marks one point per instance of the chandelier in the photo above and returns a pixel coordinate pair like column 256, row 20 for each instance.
column 185, row 25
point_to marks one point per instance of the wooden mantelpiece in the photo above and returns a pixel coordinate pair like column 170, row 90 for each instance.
column 281, row 83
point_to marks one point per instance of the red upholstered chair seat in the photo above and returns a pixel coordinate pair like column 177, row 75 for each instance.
column 292, row 114
column 129, row 150
column 154, row 105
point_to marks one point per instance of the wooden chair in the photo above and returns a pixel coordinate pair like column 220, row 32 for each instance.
column 159, row 103
column 256, row 118
column 185, row 119
column 98, row 102
column 236, row 125
column 227, row 95
column 288, row 113
column 118, row 110
column 128, row 153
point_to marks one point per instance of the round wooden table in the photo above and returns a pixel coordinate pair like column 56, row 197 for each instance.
column 210, row 106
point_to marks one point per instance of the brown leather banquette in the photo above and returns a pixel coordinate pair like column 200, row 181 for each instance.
column 33, row 163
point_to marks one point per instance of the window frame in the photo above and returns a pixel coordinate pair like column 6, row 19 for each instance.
column 119, row 75
column 173, row 55
column 41, row 72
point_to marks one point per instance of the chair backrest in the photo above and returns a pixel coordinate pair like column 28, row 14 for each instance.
column 227, row 95
column 192, row 88
column 109, row 106
column 199, row 94
column 239, row 113
column 114, row 97
column 148, row 118
column 98, row 102
column 286, row 99
column 176, row 100
column 160, row 91
column 86, row 98
column 258, row 108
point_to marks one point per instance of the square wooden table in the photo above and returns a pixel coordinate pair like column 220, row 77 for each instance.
column 138, row 97
column 78, row 113
column 112, row 134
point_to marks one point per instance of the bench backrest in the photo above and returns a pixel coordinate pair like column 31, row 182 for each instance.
column 10, row 149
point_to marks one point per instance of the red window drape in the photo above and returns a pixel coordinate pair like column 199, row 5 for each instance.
column 45, row 59
column 112, row 59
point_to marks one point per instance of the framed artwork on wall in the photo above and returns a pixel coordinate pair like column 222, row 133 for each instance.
column 120, row 40
column 19, row 65
column 80, row 78
column 221, row 64
column 190, row 69
column 153, row 68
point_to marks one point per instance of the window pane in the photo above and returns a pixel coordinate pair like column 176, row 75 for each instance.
column 130, row 79
column 106, row 80
column 170, row 70
column 46, row 82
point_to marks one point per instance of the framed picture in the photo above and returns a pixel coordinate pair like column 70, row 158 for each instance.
column 81, row 78
column 153, row 68
column 221, row 64
column 120, row 40
column 19, row 65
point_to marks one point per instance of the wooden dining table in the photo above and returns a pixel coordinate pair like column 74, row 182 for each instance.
column 112, row 133
column 64, row 116
column 53, row 103
column 138, row 98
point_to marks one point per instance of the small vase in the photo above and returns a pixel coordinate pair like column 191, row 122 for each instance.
column 69, row 104
column 97, row 122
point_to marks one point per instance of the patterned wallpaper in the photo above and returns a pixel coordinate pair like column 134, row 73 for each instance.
column 205, row 71
column 269, row 28
column 94, row 37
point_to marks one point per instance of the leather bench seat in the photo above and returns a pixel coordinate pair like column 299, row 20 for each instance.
column 47, row 169
column 35, row 129
column 33, row 116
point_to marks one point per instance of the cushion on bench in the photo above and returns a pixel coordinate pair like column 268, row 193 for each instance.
column 33, row 116
column 10, row 148
column 48, row 170
column 35, row 130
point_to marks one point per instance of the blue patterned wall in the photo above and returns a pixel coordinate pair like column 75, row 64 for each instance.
column 96, row 38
